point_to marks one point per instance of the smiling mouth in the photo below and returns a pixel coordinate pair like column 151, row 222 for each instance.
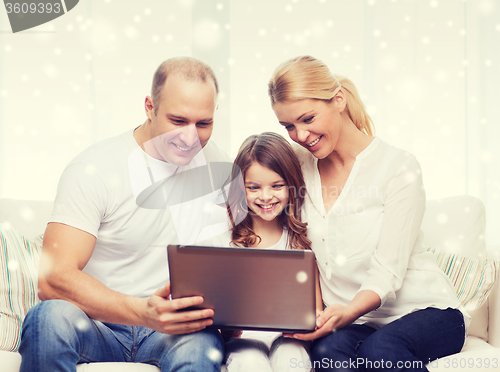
column 314, row 142
column 184, row 149
column 267, row 207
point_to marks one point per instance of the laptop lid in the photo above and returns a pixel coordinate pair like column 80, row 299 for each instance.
column 248, row 288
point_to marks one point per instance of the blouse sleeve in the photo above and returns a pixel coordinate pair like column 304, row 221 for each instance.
column 404, row 206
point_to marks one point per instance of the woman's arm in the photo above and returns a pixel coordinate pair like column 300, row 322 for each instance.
column 404, row 207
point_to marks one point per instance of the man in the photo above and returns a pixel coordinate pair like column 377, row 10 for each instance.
column 104, row 251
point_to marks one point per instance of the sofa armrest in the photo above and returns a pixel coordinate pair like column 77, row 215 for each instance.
column 29, row 217
column 494, row 305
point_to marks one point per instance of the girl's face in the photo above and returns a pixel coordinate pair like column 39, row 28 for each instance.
column 313, row 124
column 266, row 192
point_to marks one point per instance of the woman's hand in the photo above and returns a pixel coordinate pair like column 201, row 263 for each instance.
column 337, row 316
column 331, row 318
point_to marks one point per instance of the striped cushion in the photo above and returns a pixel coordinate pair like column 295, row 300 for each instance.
column 473, row 279
column 18, row 286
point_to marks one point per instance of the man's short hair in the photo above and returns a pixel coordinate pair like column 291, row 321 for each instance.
column 189, row 68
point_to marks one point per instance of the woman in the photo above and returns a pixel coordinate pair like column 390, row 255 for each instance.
column 387, row 301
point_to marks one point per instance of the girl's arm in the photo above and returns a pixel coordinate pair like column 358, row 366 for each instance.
column 227, row 334
column 319, row 296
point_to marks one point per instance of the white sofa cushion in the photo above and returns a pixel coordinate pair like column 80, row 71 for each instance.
column 116, row 367
column 456, row 225
column 29, row 217
column 494, row 321
column 10, row 362
column 477, row 355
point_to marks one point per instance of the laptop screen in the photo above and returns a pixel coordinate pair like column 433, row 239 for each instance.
column 248, row 288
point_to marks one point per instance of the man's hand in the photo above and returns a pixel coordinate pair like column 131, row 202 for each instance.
column 161, row 313
column 66, row 251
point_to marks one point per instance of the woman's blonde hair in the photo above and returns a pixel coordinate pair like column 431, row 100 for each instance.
column 306, row 77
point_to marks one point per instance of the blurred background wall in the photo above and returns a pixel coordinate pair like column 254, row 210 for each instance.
column 428, row 71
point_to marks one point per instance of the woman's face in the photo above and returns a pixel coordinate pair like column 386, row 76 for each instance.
column 312, row 123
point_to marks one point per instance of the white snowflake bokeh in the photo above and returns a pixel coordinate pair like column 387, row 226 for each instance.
column 413, row 62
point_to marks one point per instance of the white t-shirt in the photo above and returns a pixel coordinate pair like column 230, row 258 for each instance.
column 98, row 193
column 370, row 239
column 224, row 240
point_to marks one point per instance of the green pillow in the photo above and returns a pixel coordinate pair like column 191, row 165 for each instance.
column 19, row 259
column 472, row 278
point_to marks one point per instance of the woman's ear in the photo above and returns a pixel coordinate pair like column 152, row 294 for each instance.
column 340, row 100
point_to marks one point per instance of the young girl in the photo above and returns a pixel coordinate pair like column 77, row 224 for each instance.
column 264, row 209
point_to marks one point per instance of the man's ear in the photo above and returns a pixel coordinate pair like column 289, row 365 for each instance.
column 149, row 107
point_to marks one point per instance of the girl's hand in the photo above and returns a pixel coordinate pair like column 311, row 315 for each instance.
column 228, row 334
column 331, row 318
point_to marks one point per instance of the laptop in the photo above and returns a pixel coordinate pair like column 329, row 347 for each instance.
column 248, row 288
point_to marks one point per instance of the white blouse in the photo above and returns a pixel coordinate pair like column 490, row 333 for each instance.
column 370, row 239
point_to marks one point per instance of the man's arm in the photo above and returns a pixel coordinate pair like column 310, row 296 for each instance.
column 66, row 251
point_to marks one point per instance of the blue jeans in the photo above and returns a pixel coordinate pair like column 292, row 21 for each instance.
column 58, row 335
column 406, row 344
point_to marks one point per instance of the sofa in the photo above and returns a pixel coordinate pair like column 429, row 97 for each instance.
column 454, row 232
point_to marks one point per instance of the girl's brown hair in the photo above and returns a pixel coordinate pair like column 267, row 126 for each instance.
column 306, row 77
column 272, row 151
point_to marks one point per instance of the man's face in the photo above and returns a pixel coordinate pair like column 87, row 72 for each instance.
column 183, row 122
